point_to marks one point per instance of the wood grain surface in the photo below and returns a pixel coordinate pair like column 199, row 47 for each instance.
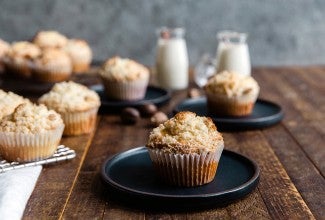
column 291, row 156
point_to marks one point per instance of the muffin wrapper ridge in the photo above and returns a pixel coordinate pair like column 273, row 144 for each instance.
column 50, row 74
column 79, row 122
column 186, row 169
column 18, row 67
column 22, row 147
column 224, row 106
column 133, row 90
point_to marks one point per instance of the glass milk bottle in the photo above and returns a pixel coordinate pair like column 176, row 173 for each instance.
column 232, row 53
column 172, row 59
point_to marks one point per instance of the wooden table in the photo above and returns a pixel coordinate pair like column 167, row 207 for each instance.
column 291, row 156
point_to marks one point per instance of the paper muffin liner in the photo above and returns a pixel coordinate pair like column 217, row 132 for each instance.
column 22, row 147
column 80, row 66
column 50, row 74
column 18, row 67
column 186, row 169
column 234, row 106
column 77, row 123
column 128, row 91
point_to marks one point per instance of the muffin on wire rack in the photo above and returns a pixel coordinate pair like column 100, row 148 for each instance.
column 30, row 133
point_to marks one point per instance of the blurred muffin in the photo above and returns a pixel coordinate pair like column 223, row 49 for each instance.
column 53, row 65
column 124, row 79
column 30, row 133
column 19, row 57
column 4, row 48
column 77, row 105
column 231, row 94
column 185, row 150
column 80, row 54
column 9, row 101
column 50, row 39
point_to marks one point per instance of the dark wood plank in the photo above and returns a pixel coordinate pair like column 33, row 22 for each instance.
column 312, row 142
column 280, row 195
column 55, row 182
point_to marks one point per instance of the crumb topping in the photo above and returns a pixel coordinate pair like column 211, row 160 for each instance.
column 9, row 101
column 186, row 133
column 121, row 69
column 53, row 58
column 50, row 39
column 24, row 49
column 30, row 118
column 232, row 84
column 70, row 97
column 78, row 50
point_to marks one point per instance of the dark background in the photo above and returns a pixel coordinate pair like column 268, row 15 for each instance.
column 281, row 32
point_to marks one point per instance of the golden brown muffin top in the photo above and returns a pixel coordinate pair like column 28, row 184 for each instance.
column 52, row 39
column 122, row 69
column 231, row 84
column 30, row 118
column 70, row 97
column 186, row 133
column 51, row 57
column 9, row 101
column 24, row 49
column 78, row 50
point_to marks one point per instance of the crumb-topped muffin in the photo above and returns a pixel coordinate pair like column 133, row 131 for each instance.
column 53, row 65
column 80, row 54
column 231, row 94
column 77, row 105
column 9, row 101
column 30, row 133
column 20, row 56
column 50, row 39
column 4, row 48
column 124, row 79
column 185, row 150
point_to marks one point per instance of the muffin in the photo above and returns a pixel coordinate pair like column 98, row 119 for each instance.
column 50, row 39
column 30, row 133
column 231, row 94
column 185, row 150
column 124, row 79
column 77, row 105
column 9, row 101
column 17, row 60
column 4, row 48
column 53, row 65
column 80, row 54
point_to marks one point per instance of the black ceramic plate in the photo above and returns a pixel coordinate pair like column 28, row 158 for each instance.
column 153, row 95
column 265, row 113
column 131, row 179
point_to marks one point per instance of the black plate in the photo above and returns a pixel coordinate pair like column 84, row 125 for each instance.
column 131, row 180
column 265, row 113
column 153, row 95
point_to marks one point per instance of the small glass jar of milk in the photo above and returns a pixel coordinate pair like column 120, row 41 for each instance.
column 172, row 59
column 232, row 53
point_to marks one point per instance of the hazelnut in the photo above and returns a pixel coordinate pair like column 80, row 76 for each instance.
column 158, row 118
column 194, row 93
column 130, row 115
column 147, row 110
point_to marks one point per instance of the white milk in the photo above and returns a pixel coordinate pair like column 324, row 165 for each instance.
column 233, row 53
column 172, row 59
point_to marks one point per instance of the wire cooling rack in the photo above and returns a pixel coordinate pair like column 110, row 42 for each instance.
column 61, row 153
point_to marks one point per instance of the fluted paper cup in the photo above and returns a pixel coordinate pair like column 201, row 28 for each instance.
column 22, row 147
column 128, row 91
column 77, row 123
column 186, row 169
